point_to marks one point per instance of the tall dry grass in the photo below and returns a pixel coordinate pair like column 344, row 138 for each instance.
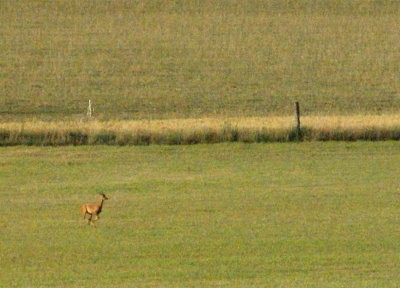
column 206, row 130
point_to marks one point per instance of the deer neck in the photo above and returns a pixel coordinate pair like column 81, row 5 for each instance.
column 101, row 204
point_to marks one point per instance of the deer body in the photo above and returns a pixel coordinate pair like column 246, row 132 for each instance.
column 93, row 209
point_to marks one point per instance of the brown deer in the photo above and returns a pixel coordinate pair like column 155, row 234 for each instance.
column 93, row 209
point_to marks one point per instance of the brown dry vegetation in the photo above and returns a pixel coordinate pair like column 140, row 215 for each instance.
column 206, row 130
column 223, row 69
column 195, row 59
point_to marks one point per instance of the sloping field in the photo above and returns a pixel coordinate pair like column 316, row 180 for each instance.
column 196, row 59
column 237, row 215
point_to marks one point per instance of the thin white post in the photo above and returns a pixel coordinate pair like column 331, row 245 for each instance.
column 89, row 109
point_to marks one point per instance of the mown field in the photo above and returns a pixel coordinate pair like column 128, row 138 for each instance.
column 223, row 215
column 193, row 59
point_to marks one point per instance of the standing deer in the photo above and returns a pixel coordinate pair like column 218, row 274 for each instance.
column 93, row 209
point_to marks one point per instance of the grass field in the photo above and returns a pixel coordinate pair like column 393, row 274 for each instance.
column 310, row 214
column 190, row 59
column 224, row 215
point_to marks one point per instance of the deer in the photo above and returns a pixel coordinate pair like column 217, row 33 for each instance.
column 93, row 209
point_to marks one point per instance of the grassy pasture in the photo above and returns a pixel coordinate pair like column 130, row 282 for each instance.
column 238, row 215
column 190, row 58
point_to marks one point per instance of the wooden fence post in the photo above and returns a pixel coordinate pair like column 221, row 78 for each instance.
column 298, row 128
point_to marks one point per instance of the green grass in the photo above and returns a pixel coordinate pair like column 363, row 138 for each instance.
column 224, row 215
column 178, row 59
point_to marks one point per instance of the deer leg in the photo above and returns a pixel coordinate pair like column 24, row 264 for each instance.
column 90, row 219
column 93, row 223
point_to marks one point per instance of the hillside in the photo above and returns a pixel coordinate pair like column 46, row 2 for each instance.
column 190, row 59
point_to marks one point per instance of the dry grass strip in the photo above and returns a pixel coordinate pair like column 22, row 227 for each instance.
column 205, row 130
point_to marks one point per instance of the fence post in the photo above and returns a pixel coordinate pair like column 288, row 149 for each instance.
column 89, row 109
column 298, row 128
